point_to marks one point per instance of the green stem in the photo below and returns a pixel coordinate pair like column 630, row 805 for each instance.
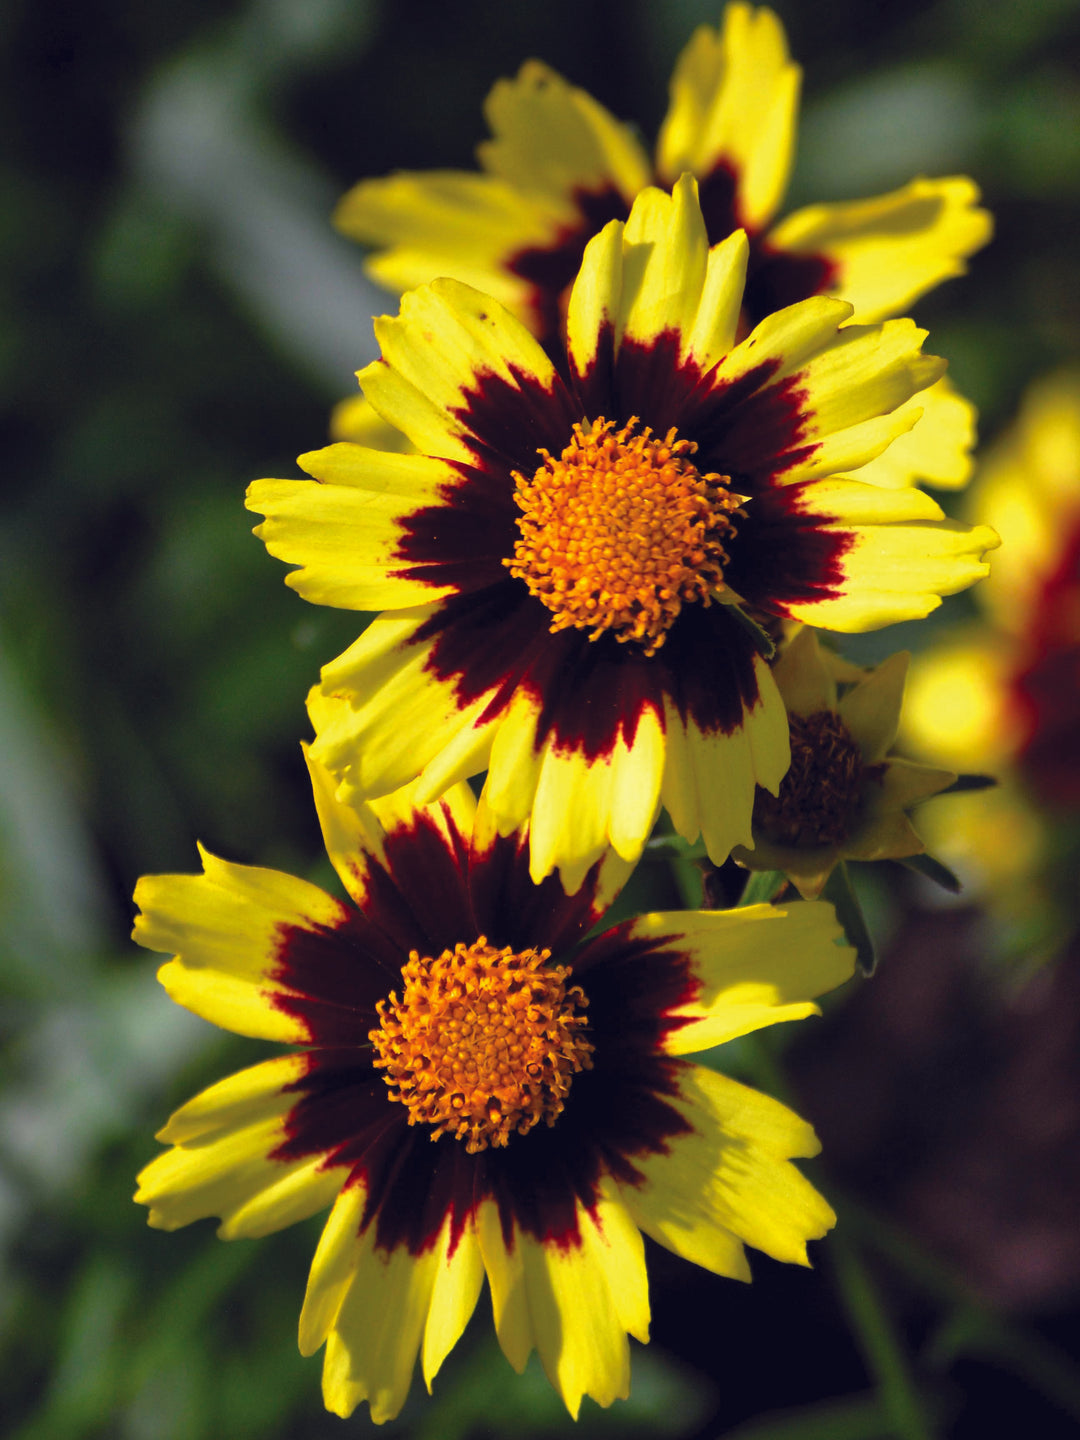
column 880, row 1345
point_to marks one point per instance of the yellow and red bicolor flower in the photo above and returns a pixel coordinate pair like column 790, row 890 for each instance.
column 559, row 166
column 571, row 566
column 481, row 1091
column 847, row 795
column 1002, row 693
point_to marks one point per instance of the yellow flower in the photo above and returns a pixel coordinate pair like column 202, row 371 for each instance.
column 846, row 796
column 1002, row 694
column 529, row 1139
column 569, row 567
column 558, row 167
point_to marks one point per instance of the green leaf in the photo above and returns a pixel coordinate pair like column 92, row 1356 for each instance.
column 762, row 887
column 967, row 782
column 673, row 847
column 762, row 642
column 934, row 870
column 840, row 891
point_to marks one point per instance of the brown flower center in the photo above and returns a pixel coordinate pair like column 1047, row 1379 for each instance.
column 483, row 1042
column 821, row 793
column 621, row 531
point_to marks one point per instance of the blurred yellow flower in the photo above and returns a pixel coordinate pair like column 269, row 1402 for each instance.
column 1002, row 694
column 559, row 167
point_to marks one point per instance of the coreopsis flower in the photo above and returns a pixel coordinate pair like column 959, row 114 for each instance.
column 846, row 795
column 559, row 166
column 1002, row 694
column 573, row 568
column 480, row 1092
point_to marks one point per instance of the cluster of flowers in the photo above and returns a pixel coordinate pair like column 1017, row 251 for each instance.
column 628, row 440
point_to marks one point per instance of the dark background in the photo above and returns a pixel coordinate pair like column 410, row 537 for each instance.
column 176, row 318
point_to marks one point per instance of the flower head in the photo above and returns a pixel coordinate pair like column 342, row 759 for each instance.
column 572, row 564
column 1000, row 694
column 846, row 796
column 481, row 1092
column 559, row 167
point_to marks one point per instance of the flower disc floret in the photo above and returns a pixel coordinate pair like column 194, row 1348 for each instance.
column 621, row 531
column 483, row 1043
column 820, row 795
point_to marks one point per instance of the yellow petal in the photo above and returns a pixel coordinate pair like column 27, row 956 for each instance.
column 580, row 1340
column 905, row 783
column 357, row 421
column 373, row 1343
column 459, row 1276
column 717, row 320
column 734, row 102
column 860, row 373
column 582, row 806
column 551, row 138
column 332, row 1268
column 897, row 571
column 936, row 450
column 505, row 1271
column 573, row 1301
column 220, row 1163
column 409, row 722
column 756, row 966
column 446, row 222
column 596, row 296
column 225, row 929
column 787, row 337
column 447, row 338
column 871, row 709
column 731, row 1176
column 665, row 255
column 345, row 533
column 807, row 867
column 895, row 247
column 802, row 675
column 709, row 779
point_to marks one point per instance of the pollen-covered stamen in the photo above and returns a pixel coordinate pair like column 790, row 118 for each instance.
column 483, row 1043
column 821, row 794
column 621, row 531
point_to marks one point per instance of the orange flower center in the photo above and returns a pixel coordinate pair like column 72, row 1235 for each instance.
column 483, row 1042
column 621, row 531
column 821, row 794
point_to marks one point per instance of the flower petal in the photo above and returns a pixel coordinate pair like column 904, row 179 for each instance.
column 552, row 139
column 751, row 967
column 717, row 321
column 731, row 1176
column 856, row 556
column 710, row 776
column 733, row 107
column 871, row 709
column 936, row 450
column 583, row 804
column 347, row 539
column 226, row 929
column 573, row 1301
column 222, row 1160
column 447, row 222
column 446, row 341
column 375, row 1337
column 905, row 783
column 357, row 421
column 803, row 678
column 888, row 251
column 665, row 255
column 355, row 833
column 459, row 1277
column 410, row 722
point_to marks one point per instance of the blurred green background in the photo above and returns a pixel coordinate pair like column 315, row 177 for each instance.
column 177, row 318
